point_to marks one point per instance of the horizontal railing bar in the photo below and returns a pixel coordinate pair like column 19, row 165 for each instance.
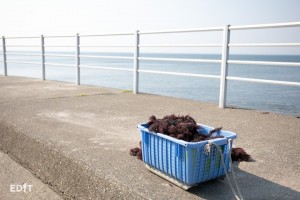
column 263, row 26
column 263, row 81
column 23, row 54
column 59, row 46
column 22, row 45
column 20, row 62
column 25, row 37
column 59, row 55
column 180, row 60
column 108, row 57
column 179, row 74
column 1, row 60
column 107, row 34
column 264, row 45
column 58, row 36
column 183, row 45
column 106, row 46
column 263, row 63
column 183, row 30
column 59, row 64
column 106, row 68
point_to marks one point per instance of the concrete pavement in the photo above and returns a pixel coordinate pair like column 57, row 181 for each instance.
column 76, row 139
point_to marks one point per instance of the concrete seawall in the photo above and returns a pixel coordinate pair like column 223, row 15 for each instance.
column 76, row 140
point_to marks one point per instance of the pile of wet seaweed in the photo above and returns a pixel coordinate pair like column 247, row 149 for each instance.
column 184, row 127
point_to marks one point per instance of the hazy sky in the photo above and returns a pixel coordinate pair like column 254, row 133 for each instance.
column 92, row 16
column 62, row 17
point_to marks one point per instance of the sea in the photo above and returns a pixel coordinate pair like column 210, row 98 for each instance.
column 245, row 95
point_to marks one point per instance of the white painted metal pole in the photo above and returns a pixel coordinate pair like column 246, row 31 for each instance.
column 136, row 63
column 4, row 56
column 224, row 70
column 78, row 58
column 43, row 57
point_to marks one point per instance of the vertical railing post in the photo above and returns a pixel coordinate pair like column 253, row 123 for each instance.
column 4, row 56
column 136, row 63
column 78, row 58
column 43, row 57
column 224, row 67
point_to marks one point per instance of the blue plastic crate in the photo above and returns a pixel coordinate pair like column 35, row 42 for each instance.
column 186, row 162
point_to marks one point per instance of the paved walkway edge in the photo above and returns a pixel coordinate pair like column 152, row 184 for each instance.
column 18, row 183
column 51, row 166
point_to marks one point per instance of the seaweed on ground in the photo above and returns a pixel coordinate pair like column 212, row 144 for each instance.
column 239, row 154
column 137, row 151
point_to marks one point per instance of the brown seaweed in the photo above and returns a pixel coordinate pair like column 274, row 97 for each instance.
column 239, row 154
column 182, row 127
column 137, row 151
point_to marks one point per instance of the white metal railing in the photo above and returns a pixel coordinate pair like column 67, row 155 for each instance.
column 180, row 60
column 263, row 63
column 183, row 30
column 107, row 57
column 136, row 58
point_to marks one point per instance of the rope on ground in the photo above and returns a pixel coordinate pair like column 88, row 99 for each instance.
column 240, row 197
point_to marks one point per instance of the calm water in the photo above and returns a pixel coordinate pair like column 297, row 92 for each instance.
column 273, row 98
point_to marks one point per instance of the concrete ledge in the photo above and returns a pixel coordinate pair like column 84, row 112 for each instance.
column 69, row 177
column 77, row 141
